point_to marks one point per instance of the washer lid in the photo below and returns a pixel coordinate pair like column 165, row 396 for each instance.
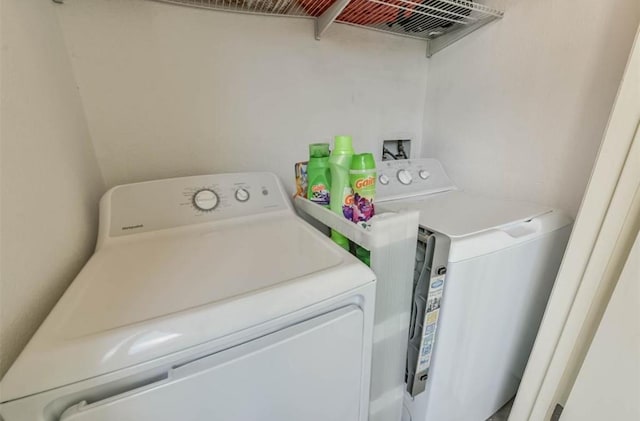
column 138, row 300
column 459, row 214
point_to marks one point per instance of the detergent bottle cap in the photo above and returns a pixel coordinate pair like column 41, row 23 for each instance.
column 318, row 150
column 363, row 161
column 342, row 145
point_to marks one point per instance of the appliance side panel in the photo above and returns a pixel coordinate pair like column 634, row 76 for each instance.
column 491, row 311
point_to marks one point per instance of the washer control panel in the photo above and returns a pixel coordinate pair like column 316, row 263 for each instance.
column 406, row 178
column 162, row 204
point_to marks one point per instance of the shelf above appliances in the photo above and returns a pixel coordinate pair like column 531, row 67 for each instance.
column 439, row 22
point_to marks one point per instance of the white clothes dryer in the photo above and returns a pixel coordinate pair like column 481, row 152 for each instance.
column 207, row 298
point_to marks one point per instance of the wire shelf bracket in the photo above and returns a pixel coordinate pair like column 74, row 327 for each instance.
column 329, row 16
column 437, row 44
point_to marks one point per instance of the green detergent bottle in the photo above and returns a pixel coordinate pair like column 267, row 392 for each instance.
column 318, row 174
column 362, row 177
column 341, row 193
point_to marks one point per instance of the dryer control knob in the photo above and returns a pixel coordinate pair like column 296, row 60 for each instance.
column 424, row 174
column 205, row 200
column 242, row 195
column 383, row 179
column 405, row 177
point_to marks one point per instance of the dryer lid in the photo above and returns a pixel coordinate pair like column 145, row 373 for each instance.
column 138, row 300
column 459, row 214
column 133, row 282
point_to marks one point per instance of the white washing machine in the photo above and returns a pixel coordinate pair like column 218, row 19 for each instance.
column 485, row 268
column 206, row 298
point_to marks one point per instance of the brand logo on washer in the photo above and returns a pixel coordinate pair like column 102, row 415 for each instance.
column 132, row 227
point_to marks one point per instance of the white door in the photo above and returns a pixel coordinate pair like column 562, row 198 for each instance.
column 608, row 384
column 311, row 371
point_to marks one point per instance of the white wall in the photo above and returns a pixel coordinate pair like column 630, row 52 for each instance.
column 518, row 108
column 50, row 181
column 172, row 91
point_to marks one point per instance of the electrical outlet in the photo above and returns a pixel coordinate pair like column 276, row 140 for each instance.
column 396, row 149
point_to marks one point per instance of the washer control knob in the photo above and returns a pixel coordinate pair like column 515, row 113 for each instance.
column 424, row 174
column 383, row 179
column 405, row 177
column 242, row 195
column 205, row 200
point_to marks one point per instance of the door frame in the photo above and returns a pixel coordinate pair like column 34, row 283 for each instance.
column 596, row 252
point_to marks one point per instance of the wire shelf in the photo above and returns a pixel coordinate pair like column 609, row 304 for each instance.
column 291, row 8
column 425, row 20
column 440, row 22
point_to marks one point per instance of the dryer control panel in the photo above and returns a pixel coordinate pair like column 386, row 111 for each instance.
column 161, row 204
column 406, row 178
